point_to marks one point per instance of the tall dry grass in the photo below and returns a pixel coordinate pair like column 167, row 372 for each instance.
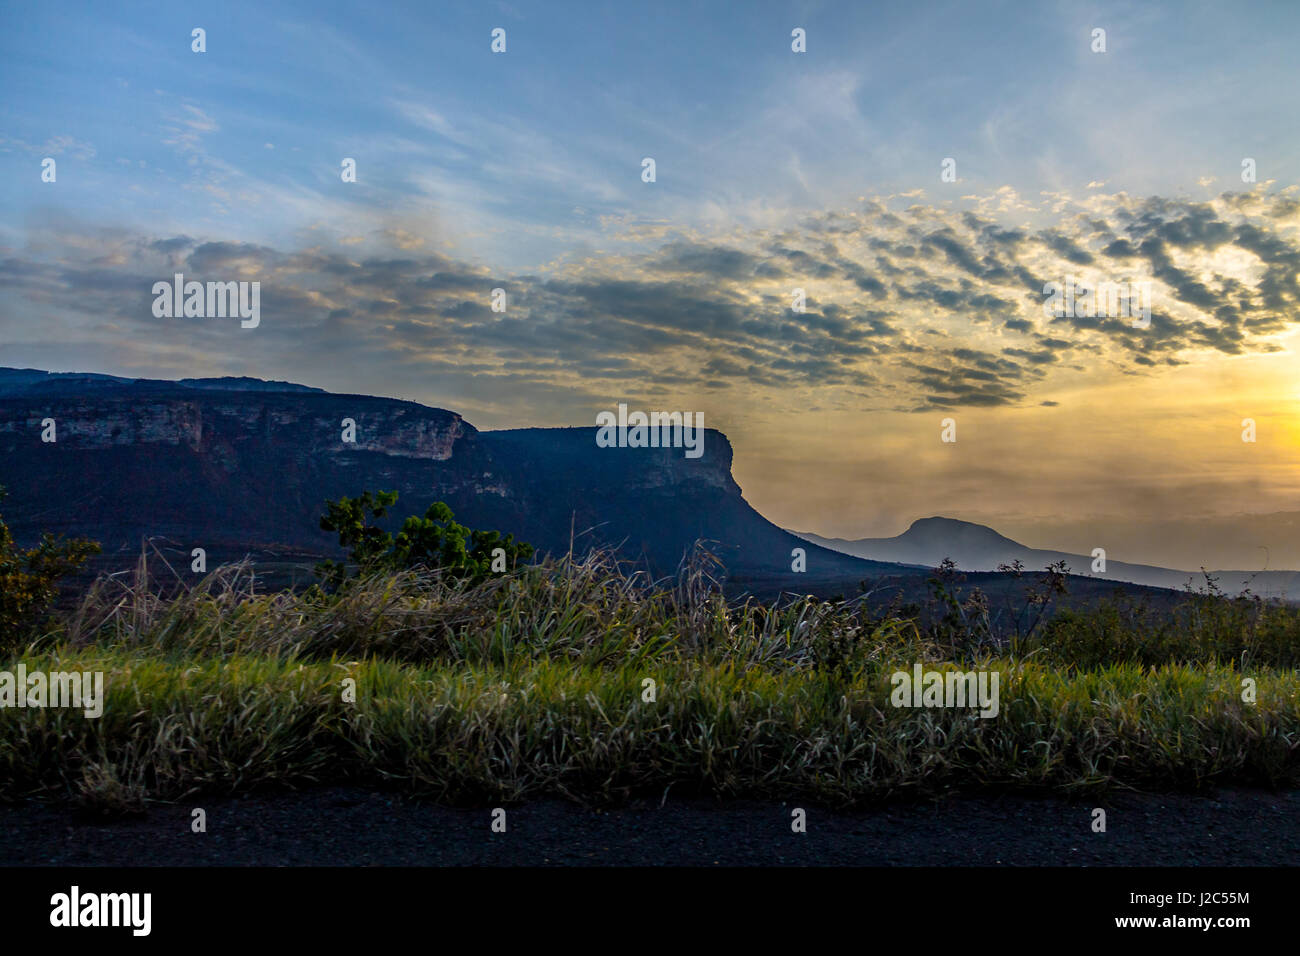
column 534, row 684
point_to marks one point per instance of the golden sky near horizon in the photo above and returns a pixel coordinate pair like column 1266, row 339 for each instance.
column 1159, row 447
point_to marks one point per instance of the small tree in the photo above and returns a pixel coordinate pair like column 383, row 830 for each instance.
column 1038, row 599
column 965, row 626
column 29, row 580
column 434, row 541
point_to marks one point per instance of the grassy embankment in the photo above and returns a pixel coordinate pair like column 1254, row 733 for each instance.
column 534, row 683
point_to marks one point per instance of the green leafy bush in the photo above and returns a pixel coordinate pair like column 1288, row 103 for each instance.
column 434, row 541
column 29, row 580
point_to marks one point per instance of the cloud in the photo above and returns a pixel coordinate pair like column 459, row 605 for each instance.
column 916, row 308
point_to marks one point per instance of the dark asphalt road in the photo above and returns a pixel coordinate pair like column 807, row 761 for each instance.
column 357, row 827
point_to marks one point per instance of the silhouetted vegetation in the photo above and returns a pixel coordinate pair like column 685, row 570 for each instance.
column 29, row 580
column 432, row 542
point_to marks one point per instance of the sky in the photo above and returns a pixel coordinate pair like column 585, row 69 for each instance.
column 775, row 170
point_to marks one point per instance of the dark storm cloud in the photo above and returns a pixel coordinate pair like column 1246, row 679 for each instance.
column 1067, row 248
column 1040, row 357
column 169, row 246
column 689, row 257
column 1182, row 224
column 459, row 282
column 864, row 280
column 957, row 253
column 798, row 262
column 218, row 258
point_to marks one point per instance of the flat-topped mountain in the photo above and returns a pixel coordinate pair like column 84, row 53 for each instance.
column 240, row 465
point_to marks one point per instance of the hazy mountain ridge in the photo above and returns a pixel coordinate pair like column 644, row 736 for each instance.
column 976, row 547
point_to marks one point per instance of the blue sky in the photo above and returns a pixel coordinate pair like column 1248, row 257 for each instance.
column 519, row 158
column 775, row 171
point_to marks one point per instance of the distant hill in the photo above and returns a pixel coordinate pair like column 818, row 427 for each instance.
column 975, row 547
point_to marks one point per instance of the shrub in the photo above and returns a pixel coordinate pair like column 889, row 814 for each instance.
column 29, row 580
column 433, row 542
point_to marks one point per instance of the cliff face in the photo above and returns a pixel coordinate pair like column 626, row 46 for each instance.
column 96, row 425
column 652, row 503
column 229, row 470
column 211, row 426
column 239, row 466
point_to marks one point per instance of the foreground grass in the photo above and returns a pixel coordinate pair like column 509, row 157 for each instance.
column 175, row 726
column 534, row 684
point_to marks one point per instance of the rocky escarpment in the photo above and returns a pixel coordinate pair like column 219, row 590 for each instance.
column 211, row 426
column 651, row 503
column 97, row 425
column 229, row 470
column 238, row 466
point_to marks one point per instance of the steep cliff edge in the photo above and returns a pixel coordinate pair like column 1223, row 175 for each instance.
column 238, row 466
column 234, row 469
